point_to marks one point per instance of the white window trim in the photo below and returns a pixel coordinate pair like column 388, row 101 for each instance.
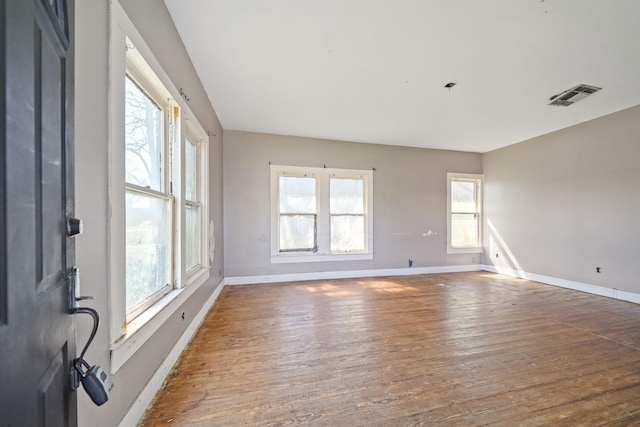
column 127, row 338
column 322, row 176
column 471, row 249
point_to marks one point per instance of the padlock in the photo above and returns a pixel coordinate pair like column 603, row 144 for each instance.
column 98, row 385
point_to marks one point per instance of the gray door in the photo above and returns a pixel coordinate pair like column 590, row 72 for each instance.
column 37, row 335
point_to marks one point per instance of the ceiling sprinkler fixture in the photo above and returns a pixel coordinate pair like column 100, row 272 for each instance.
column 573, row 95
column 450, row 85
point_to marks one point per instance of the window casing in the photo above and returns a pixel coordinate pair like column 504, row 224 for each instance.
column 321, row 214
column 464, row 213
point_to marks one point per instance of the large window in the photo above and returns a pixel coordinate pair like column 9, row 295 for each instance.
column 165, row 190
column 148, row 201
column 321, row 214
column 464, row 219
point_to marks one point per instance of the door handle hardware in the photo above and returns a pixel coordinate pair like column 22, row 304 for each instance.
column 73, row 286
column 95, row 380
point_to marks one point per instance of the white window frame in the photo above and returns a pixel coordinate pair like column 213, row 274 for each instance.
column 198, row 136
column 478, row 181
column 128, row 336
column 323, row 252
column 138, row 71
column 365, row 208
column 317, row 218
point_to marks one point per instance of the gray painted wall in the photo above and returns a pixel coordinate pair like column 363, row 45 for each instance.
column 563, row 203
column 91, row 136
column 568, row 202
column 409, row 199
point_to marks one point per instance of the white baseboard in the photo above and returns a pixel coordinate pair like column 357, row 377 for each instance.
column 144, row 399
column 569, row 284
column 352, row 274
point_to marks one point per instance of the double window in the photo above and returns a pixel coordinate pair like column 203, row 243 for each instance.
column 321, row 214
column 158, row 187
column 464, row 216
column 165, row 176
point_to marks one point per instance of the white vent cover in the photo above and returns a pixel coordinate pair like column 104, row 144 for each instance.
column 573, row 95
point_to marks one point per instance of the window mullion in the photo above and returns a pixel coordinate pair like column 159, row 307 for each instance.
column 175, row 275
column 324, row 217
column 169, row 144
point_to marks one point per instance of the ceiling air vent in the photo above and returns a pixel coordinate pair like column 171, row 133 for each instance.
column 573, row 95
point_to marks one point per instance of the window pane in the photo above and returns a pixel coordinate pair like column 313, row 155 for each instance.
column 297, row 194
column 346, row 196
column 464, row 230
column 148, row 247
column 463, row 196
column 347, row 233
column 143, row 138
column 192, row 219
column 297, row 232
column 190, row 171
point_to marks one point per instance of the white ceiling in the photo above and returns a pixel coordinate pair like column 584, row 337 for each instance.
column 374, row 70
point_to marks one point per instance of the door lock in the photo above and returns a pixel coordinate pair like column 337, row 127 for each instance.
column 96, row 382
column 74, row 227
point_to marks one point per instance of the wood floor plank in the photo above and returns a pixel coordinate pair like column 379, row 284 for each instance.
column 446, row 349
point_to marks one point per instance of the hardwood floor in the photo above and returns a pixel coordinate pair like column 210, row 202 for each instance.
column 442, row 349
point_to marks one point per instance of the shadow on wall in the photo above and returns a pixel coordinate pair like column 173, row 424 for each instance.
column 500, row 255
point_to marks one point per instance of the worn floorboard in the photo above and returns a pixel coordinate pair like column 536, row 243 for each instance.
column 442, row 349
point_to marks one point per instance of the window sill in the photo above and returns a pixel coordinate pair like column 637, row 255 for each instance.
column 143, row 327
column 295, row 258
column 472, row 250
column 198, row 276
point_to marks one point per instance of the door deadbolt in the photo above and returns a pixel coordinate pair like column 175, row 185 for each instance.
column 74, row 227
